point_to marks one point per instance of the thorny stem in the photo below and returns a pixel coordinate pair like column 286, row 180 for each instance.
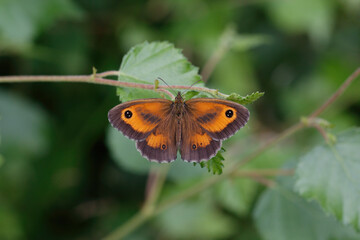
column 97, row 79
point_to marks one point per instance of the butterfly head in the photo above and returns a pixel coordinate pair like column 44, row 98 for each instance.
column 179, row 98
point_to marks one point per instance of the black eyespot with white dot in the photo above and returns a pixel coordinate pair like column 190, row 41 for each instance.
column 193, row 146
column 229, row 113
column 128, row 114
column 163, row 147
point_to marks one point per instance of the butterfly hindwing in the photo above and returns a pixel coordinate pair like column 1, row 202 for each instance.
column 220, row 118
column 160, row 144
column 196, row 143
column 136, row 119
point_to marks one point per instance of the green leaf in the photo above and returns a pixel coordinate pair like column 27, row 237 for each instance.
column 190, row 94
column 215, row 164
column 146, row 62
column 281, row 214
column 245, row 100
column 330, row 175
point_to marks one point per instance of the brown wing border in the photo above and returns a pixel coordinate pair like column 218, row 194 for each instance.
column 114, row 117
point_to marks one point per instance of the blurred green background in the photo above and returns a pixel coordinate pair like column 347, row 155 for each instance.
column 64, row 174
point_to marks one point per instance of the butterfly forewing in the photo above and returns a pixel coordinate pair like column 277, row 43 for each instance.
column 136, row 119
column 220, row 118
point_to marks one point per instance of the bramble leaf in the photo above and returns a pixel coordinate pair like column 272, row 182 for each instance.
column 247, row 99
column 330, row 175
column 215, row 164
column 146, row 62
column 281, row 214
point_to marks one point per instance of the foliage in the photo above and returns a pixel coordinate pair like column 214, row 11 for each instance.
column 330, row 176
column 65, row 174
column 215, row 164
column 147, row 62
column 282, row 214
column 245, row 100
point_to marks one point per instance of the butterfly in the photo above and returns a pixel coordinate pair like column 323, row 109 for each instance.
column 195, row 127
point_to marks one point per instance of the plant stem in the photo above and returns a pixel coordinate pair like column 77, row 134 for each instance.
column 127, row 227
column 97, row 79
column 336, row 94
column 285, row 134
column 155, row 183
column 264, row 181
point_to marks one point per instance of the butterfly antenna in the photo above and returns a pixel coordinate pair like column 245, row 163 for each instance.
column 191, row 86
column 159, row 78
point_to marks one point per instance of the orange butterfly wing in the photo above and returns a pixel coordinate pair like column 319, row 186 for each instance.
column 160, row 145
column 196, row 143
column 220, row 118
column 150, row 123
column 206, row 123
column 136, row 119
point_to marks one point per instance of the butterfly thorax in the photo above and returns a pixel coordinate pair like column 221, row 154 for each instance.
column 179, row 105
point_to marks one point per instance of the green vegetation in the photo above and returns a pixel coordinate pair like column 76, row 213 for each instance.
column 293, row 172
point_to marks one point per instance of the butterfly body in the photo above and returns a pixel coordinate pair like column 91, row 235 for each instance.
column 195, row 127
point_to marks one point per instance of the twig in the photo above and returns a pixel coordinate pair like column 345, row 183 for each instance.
column 267, row 182
column 285, row 134
column 167, row 93
column 127, row 227
column 108, row 73
column 102, row 81
column 154, row 184
column 338, row 92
